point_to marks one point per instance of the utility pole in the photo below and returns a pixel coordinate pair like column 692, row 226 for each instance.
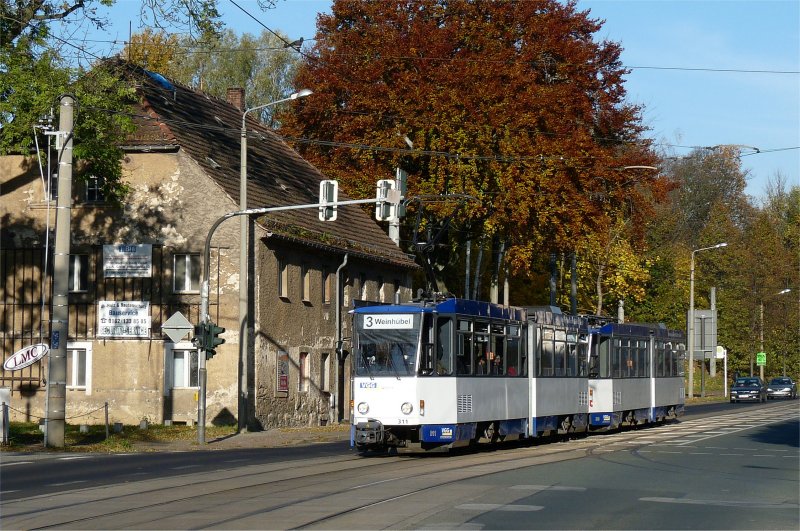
column 57, row 364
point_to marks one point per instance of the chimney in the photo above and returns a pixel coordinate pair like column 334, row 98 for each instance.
column 235, row 97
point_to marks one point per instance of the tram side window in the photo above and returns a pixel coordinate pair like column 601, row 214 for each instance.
column 480, row 353
column 444, row 346
column 643, row 365
column 582, row 349
column 464, row 348
column 513, row 351
column 560, row 357
column 604, row 357
column 617, row 358
column 572, row 355
column 660, row 359
column 547, row 352
column 497, row 351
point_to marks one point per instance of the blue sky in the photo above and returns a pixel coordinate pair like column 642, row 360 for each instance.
column 706, row 71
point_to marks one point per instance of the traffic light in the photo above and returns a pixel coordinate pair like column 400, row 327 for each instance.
column 199, row 339
column 328, row 195
column 386, row 200
column 212, row 339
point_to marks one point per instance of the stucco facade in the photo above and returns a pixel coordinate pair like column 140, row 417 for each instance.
column 182, row 178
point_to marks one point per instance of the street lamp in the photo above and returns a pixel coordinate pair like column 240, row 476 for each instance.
column 761, row 334
column 244, row 333
column 690, row 390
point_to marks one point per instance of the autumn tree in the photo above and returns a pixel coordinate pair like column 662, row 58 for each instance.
column 513, row 103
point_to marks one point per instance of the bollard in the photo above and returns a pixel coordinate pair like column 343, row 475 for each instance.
column 6, row 423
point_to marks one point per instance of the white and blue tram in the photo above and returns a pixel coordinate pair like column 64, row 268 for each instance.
column 441, row 374
column 635, row 374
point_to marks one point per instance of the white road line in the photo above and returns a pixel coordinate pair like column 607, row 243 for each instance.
column 74, row 457
column 559, row 488
column 483, row 507
column 184, row 467
column 16, row 463
column 66, row 483
column 373, row 483
column 723, row 503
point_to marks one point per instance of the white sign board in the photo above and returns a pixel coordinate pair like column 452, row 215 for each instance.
column 388, row 321
column 127, row 260
column 25, row 357
column 123, row 319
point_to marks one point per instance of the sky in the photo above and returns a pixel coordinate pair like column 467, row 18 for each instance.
column 706, row 72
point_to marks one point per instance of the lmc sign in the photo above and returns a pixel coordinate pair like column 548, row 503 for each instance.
column 26, row 356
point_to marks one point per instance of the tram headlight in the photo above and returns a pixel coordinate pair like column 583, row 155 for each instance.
column 363, row 408
column 406, row 408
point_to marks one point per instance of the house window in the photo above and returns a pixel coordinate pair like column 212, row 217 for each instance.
column 53, row 184
column 326, row 285
column 304, row 372
column 78, row 272
column 305, row 285
column 186, row 276
column 325, row 372
column 79, row 366
column 184, row 367
column 283, row 279
column 94, row 189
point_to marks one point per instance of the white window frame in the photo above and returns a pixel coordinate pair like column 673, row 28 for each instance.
column 305, row 283
column 304, row 370
column 72, row 374
column 283, row 279
column 169, row 365
column 187, row 278
column 77, row 262
column 94, row 184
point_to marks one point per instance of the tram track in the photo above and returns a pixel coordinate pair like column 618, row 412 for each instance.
column 333, row 493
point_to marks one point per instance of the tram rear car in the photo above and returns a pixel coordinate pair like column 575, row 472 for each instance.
column 636, row 374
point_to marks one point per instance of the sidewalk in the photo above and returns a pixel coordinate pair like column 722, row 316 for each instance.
column 272, row 438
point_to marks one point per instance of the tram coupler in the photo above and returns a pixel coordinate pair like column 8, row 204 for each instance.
column 370, row 434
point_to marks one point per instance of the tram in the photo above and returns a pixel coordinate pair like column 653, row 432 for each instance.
column 439, row 374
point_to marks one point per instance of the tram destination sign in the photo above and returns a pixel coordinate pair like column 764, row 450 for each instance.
column 388, row 321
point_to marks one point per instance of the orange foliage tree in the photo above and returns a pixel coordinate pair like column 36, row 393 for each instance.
column 512, row 102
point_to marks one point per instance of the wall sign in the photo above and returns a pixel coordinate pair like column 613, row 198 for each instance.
column 26, row 356
column 128, row 260
column 123, row 319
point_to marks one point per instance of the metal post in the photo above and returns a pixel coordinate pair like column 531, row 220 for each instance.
column 5, row 423
column 106, row 408
column 244, row 335
column 760, row 338
column 690, row 389
column 55, row 416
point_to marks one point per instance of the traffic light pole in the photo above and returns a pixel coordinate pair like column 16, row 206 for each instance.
column 205, row 319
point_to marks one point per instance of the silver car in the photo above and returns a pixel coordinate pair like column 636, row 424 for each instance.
column 782, row 387
column 750, row 388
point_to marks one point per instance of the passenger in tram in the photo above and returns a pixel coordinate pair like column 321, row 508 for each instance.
column 480, row 367
column 497, row 365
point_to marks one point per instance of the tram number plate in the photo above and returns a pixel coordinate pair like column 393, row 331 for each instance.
column 402, row 421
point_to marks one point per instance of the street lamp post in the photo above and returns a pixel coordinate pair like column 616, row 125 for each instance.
column 244, row 329
column 690, row 390
column 761, row 333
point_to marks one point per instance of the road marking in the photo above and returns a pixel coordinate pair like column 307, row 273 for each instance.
column 74, row 457
column 723, row 503
column 66, row 483
column 374, row 483
column 184, row 467
column 498, row 507
column 16, row 463
column 3, row 492
column 549, row 487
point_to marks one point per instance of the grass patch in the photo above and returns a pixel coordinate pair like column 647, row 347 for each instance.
column 26, row 436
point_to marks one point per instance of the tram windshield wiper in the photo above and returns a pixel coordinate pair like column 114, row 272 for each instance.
column 366, row 364
column 391, row 364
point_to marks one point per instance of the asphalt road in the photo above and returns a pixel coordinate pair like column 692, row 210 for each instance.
column 721, row 467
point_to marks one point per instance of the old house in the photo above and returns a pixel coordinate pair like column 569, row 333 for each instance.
column 143, row 261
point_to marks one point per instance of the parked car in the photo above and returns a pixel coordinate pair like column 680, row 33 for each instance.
column 782, row 387
column 749, row 388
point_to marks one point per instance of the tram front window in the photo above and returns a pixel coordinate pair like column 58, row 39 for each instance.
column 387, row 347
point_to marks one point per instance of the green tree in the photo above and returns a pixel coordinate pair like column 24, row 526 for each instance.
column 512, row 102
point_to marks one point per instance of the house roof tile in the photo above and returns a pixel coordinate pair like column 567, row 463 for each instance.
column 209, row 130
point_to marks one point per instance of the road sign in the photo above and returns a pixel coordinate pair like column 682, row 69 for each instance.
column 761, row 359
column 177, row 326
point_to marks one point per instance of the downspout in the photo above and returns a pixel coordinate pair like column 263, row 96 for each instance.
column 339, row 405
